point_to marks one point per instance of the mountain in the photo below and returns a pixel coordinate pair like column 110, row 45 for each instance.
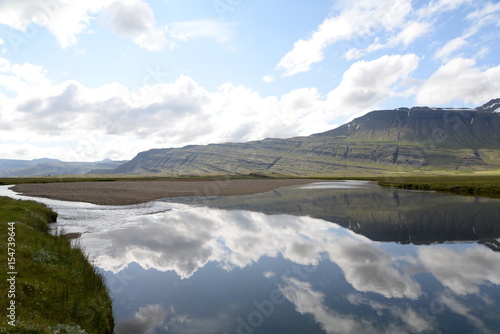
column 44, row 167
column 403, row 139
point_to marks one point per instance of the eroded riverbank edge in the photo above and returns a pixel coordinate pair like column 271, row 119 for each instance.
column 53, row 286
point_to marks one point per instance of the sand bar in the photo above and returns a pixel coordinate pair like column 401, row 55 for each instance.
column 134, row 192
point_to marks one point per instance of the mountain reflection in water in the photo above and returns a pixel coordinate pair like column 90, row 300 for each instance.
column 280, row 262
column 378, row 213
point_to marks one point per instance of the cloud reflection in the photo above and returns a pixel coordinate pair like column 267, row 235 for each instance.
column 145, row 321
column 309, row 301
column 462, row 271
column 187, row 238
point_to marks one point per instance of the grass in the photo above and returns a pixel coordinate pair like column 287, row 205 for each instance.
column 57, row 290
column 472, row 185
column 85, row 178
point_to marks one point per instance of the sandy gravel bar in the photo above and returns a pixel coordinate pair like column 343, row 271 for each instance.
column 134, row 192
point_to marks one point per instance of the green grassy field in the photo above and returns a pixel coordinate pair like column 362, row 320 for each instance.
column 472, row 185
column 56, row 289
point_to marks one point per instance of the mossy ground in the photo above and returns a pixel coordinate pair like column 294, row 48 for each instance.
column 57, row 289
column 474, row 185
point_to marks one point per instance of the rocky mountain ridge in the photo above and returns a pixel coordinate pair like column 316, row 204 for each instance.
column 403, row 139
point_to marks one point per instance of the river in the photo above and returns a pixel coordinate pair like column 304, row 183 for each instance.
column 329, row 257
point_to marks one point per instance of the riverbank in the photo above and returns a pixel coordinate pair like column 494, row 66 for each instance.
column 135, row 192
column 469, row 185
column 126, row 191
column 51, row 287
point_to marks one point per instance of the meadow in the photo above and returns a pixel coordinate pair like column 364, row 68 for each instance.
column 56, row 288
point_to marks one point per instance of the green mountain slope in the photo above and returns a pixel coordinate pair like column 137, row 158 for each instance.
column 44, row 167
column 399, row 140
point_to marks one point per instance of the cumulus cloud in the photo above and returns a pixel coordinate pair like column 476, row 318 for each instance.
column 367, row 83
column 64, row 19
column 21, row 78
column 362, row 19
column 182, row 112
column 460, row 80
column 67, row 19
column 135, row 19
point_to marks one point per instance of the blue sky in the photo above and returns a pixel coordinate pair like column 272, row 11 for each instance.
column 88, row 80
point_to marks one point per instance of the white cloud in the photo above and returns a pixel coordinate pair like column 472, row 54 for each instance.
column 362, row 19
column 64, row 19
column 67, row 19
column 182, row 112
column 450, row 47
column 135, row 19
column 411, row 31
column 489, row 14
column 219, row 31
column 22, row 78
column 460, row 80
column 268, row 78
column 488, row 10
column 122, row 121
column 367, row 83
column 436, row 7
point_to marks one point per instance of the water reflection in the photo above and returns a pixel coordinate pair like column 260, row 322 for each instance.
column 378, row 213
column 242, row 272
column 241, row 265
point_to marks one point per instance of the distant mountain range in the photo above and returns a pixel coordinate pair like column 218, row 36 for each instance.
column 404, row 139
column 399, row 140
column 45, row 167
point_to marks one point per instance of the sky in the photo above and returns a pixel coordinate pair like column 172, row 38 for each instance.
column 85, row 80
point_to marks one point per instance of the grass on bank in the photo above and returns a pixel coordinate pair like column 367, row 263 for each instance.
column 57, row 289
column 472, row 185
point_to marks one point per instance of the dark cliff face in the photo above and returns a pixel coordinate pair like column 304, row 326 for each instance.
column 382, row 140
column 444, row 127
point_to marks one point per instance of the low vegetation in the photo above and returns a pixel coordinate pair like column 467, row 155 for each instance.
column 57, row 290
column 473, row 185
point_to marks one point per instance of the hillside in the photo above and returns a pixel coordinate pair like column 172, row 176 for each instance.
column 403, row 139
column 44, row 167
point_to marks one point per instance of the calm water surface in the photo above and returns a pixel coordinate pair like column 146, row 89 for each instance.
column 329, row 257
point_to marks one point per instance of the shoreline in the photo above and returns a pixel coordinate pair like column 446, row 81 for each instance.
column 53, row 286
column 137, row 192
